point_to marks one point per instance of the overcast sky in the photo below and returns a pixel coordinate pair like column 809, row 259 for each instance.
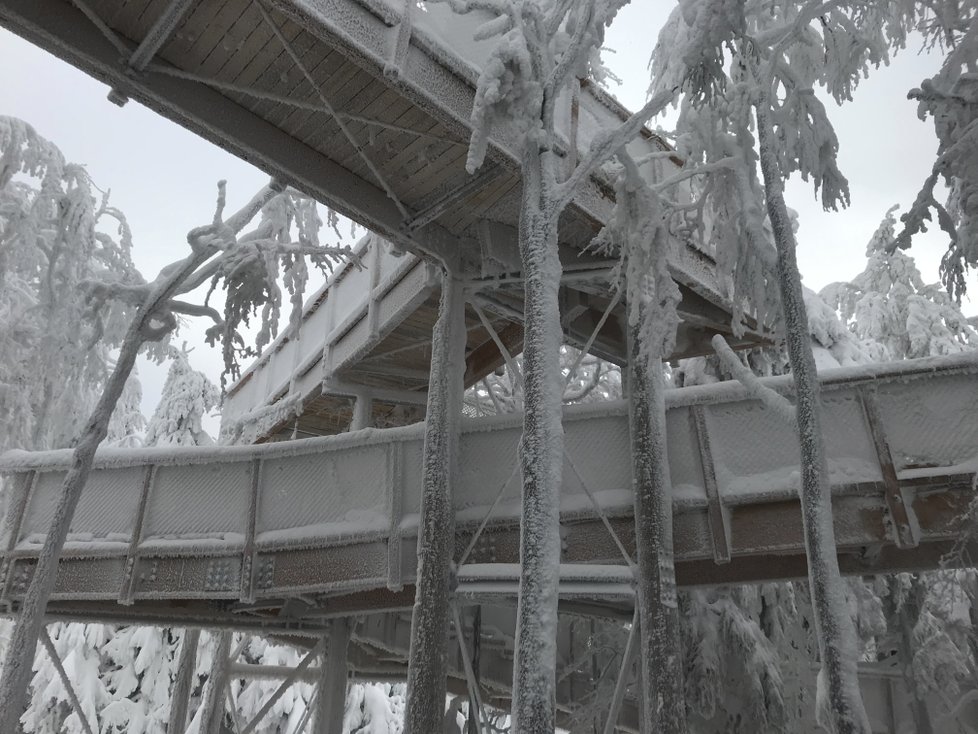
column 164, row 178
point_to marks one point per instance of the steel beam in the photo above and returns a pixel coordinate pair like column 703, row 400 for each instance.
column 333, row 677
column 157, row 35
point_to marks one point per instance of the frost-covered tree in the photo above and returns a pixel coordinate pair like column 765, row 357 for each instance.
column 541, row 48
column 749, row 72
column 187, row 397
column 57, row 232
column 929, row 623
column 77, row 648
column 128, row 422
column 247, row 265
column 586, row 379
column 889, row 304
column 950, row 98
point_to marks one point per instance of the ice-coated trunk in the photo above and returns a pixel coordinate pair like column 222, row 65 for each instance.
column 183, row 681
column 661, row 656
column 212, row 707
column 907, row 616
column 541, row 455
column 834, row 628
column 427, row 661
column 23, row 642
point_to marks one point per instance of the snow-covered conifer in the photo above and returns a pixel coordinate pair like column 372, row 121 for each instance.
column 889, row 303
column 248, row 264
column 749, row 104
column 187, row 397
column 950, row 98
column 128, row 422
column 58, row 233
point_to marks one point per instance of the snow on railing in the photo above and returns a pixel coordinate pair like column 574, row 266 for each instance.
column 349, row 296
column 725, row 451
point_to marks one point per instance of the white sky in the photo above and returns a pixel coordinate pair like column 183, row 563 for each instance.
column 164, row 177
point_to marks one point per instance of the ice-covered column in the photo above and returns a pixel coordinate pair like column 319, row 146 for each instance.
column 363, row 406
column 212, row 707
column 427, row 669
column 661, row 648
column 333, row 675
column 183, row 681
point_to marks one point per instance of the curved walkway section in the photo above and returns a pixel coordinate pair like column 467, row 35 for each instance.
column 336, row 517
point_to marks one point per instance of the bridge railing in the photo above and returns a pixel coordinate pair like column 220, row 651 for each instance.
column 891, row 432
column 354, row 291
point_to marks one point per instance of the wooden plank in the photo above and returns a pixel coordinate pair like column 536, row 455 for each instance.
column 486, row 357
column 231, row 26
column 206, row 23
column 718, row 514
column 900, row 503
column 311, row 130
column 252, row 37
column 318, row 129
column 332, row 72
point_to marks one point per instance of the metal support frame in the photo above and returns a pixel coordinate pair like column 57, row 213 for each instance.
column 392, row 69
column 395, row 490
column 906, row 527
column 128, row 590
column 471, row 678
column 333, row 678
column 183, row 681
column 475, row 706
column 65, row 680
column 363, row 406
column 627, row 662
column 249, row 553
column 159, row 32
column 285, row 685
column 717, row 512
column 447, row 200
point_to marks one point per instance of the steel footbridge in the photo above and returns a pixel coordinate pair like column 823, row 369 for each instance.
column 285, row 537
column 364, row 104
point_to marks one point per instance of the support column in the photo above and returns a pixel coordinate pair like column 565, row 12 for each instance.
column 474, row 713
column 661, row 659
column 212, row 707
column 333, row 675
column 363, row 406
column 183, row 682
column 427, row 668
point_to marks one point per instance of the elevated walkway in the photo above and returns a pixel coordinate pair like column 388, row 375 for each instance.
column 237, row 534
column 365, row 105
column 282, row 538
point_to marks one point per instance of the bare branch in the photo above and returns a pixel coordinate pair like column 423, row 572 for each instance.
column 781, row 406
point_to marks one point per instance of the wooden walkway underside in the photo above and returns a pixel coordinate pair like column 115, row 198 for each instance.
column 369, row 112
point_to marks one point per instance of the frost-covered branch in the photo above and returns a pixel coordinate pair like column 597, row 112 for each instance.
column 777, row 402
column 606, row 144
column 249, row 267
